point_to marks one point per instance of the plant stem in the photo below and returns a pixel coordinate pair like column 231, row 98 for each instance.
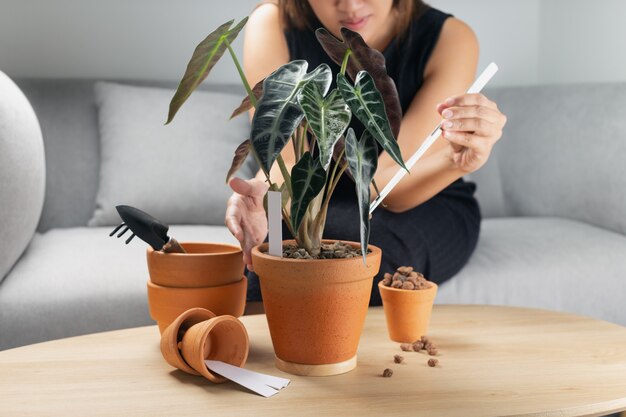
column 288, row 223
column 332, row 175
column 302, row 138
column 334, row 184
column 296, row 146
column 320, row 218
column 241, row 74
column 285, row 172
column 344, row 63
column 253, row 101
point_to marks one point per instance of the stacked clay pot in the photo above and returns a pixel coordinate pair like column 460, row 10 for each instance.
column 208, row 275
column 197, row 335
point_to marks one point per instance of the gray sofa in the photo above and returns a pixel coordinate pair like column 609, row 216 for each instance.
column 553, row 196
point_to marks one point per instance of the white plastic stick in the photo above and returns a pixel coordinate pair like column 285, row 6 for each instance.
column 275, row 223
column 478, row 85
column 263, row 384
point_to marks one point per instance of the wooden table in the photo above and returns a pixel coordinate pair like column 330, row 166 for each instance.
column 494, row 361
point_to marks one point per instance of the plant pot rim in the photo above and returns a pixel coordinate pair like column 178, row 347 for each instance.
column 204, row 329
column 386, row 288
column 375, row 250
column 235, row 249
column 169, row 338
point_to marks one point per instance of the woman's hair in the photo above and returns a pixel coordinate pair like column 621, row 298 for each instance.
column 297, row 14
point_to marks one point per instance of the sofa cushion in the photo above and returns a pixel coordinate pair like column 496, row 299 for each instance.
column 175, row 172
column 78, row 280
column 549, row 263
column 561, row 154
column 22, row 173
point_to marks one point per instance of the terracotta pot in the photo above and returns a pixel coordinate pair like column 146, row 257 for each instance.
column 204, row 265
column 223, row 338
column 173, row 335
column 166, row 303
column 315, row 308
column 407, row 311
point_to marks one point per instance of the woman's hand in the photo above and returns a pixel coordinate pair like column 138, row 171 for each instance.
column 245, row 215
column 472, row 124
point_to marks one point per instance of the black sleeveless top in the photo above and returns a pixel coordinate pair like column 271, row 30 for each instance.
column 405, row 58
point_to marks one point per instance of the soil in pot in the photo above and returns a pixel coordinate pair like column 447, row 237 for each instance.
column 334, row 250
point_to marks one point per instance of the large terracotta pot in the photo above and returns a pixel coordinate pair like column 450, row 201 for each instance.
column 315, row 308
column 407, row 312
column 204, row 265
column 167, row 303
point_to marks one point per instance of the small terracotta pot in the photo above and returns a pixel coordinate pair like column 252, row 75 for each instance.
column 204, row 265
column 166, row 303
column 407, row 311
column 173, row 336
column 315, row 308
column 223, row 338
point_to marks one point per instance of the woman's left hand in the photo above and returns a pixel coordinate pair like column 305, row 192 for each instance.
column 472, row 124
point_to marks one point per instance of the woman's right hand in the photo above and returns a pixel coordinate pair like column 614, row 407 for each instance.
column 245, row 215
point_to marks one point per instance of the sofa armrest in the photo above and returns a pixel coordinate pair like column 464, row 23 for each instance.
column 22, row 173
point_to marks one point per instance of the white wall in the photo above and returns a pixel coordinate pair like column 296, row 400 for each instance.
column 533, row 41
column 582, row 41
column 131, row 39
column 508, row 32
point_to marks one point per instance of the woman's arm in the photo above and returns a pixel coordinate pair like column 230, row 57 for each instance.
column 449, row 72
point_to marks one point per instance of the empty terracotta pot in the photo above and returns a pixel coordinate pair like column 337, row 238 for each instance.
column 166, row 303
column 204, row 265
column 407, row 311
column 173, row 336
column 315, row 308
column 222, row 338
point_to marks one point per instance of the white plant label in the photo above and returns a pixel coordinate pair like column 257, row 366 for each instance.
column 263, row 384
column 275, row 223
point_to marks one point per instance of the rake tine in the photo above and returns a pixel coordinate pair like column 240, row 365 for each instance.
column 130, row 238
column 117, row 228
column 123, row 231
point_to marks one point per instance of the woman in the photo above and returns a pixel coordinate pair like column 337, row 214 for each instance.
column 431, row 219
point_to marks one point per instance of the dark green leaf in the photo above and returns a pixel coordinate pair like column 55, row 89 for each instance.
column 322, row 76
column 246, row 104
column 328, row 117
column 204, row 58
column 364, row 58
column 366, row 103
column 241, row 153
column 373, row 61
column 278, row 112
column 362, row 162
column 307, row 180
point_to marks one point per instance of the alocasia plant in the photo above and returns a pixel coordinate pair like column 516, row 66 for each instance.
column 295, row 105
